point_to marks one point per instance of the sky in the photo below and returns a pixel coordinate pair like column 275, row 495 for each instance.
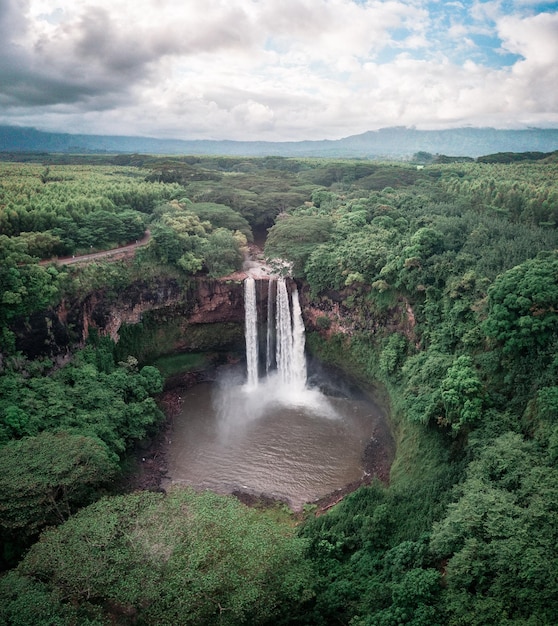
column 276, row 70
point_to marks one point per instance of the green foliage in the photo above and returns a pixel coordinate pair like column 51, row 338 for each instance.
column 423, row 375
column 522, row 306
column 461, row 393
column 114, row 406
column 75, row 207
column 180, row 238
column 443, row 283
column 357, row 252
column 373, row 563
column 425, row 242
column 45, row 478
column 500, row 537
column 542, row 412
column 372, row 549
column 25, row 602
column 178, row 363
column 293, row 238
column 223, row 252
column 24, row 286
column 322, row 268
column 183, row 558
column 323, row 322
column 257, row 189
column 512, row 157
column 222, row 216
column 412, row 598
column 393, row 355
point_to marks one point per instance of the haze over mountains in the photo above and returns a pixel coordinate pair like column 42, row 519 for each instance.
column 393, row 143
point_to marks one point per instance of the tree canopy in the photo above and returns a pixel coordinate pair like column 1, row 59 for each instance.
column 183, row 558
column 436, row 284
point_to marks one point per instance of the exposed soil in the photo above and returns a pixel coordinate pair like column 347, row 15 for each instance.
column 254, row 265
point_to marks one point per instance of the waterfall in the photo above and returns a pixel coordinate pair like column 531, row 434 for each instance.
column 284, row 333
column 251, row 331
column 270, row 339
column 285, row 339
column 298, row 365
column 291, row 362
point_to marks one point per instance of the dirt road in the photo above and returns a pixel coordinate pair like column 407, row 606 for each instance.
column 115, row 254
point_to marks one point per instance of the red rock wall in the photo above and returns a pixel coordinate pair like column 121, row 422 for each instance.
column 56, row 331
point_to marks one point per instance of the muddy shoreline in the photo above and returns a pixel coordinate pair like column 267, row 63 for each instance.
column 149, row 469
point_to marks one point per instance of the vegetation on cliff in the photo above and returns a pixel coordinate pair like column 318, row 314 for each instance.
column 438, row 283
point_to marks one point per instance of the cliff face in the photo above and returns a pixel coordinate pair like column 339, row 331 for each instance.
column 207, row 314
column 329, row 314
column 55, row 332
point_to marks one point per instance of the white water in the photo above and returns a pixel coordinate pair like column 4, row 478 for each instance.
column 284, row 329
column 270, row 338
column 285, row 386
column 251, row 332
column 285, row 338
column 298, row 365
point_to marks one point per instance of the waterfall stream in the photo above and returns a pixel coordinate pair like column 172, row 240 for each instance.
column 298, row 365
column 270, row 337
column 285, row 337
column 251, row 332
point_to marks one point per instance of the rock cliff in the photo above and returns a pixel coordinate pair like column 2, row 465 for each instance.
column 56, row 331
column 163, row 316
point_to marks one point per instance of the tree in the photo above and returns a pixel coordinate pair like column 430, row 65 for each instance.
column 294, row 237
column 166, row 243
column 45, row 478
column 461, row 392
column 24, row 286
column 422, row 374
column 222, row 252
column 523, row 314
column 26, row 602
column 499, row 538
column 182, row 558
column 222, row 216
column 85, row 398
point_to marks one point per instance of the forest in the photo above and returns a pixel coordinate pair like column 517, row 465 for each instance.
column 466, row 532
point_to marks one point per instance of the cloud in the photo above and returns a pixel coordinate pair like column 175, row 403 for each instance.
column 534, row 38
column 95, row 50
column 273, row 69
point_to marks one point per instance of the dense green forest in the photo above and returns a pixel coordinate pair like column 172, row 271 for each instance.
column 437, row 284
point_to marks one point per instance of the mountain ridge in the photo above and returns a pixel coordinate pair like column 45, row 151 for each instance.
column 393, row 143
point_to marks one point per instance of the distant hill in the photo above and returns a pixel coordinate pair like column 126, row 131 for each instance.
column 396, row 142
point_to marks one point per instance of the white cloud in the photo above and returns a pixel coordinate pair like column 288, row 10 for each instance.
column 486, row 10
column 534, row 38
column 269, row 69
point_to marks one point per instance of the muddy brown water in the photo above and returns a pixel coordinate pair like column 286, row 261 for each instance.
column 266, row 442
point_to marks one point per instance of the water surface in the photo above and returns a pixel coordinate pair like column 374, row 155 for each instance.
column 293, row 446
